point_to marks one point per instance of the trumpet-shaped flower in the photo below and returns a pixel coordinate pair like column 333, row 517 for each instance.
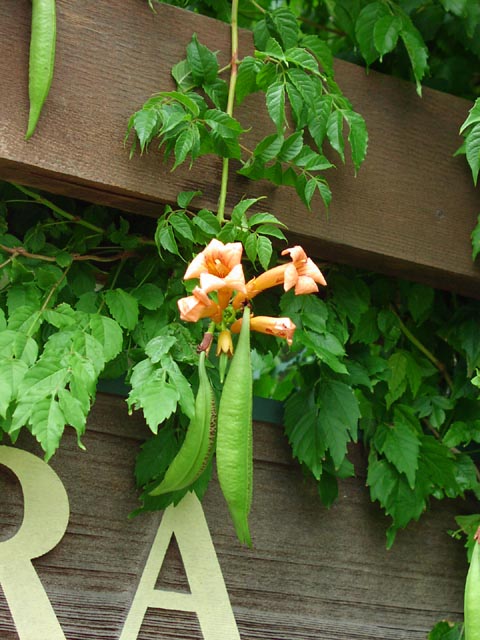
column 302, row 273
column 217, row 259
column 279, row 327
column 199, row 305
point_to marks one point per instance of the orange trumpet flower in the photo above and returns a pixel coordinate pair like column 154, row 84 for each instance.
column 279, row 327
column 217, row 259
column 197, row 306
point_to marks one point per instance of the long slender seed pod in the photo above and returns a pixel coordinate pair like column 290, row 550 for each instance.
column 234, row 434
column 42, row 58
column 472, row 595
column 197, row 448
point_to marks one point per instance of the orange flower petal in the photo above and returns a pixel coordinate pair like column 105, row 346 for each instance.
column 279, row 327
column 217, row 259
column 197, row 306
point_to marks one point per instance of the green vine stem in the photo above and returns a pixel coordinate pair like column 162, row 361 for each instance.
column 230, row 102
column 421, row 347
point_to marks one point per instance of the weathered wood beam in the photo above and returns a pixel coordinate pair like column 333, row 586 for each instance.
column 409, row 212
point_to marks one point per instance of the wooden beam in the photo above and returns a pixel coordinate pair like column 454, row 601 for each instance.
column 409, row 212
column 312, row 573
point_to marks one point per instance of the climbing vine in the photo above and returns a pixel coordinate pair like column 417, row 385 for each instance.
column 84, row 295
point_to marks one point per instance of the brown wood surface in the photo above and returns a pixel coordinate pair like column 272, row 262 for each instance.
column 410, row 211
column 313, row 574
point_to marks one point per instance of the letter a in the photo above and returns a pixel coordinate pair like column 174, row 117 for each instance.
column 45, row 519
column 208, row 598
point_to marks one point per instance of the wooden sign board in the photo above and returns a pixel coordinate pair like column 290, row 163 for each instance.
column 409, row 212
column 312, row 574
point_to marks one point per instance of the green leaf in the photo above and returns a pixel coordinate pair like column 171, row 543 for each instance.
column 149, row 296
column 250, row 245
column 321, row 51
column 385, row 33
column 365, row 29
column 269, row 147
column 181, row 225
column 473, row 116
column 155, row 456
column 184, row 145
column 182, row 74
column 264, row 251
column 203, row 62
column 159, row 346
column 338, row 415
column 397, row 381
column 11, row 375
column 217, row 91
column 446, row 630
column 73, row 412
column 475, row 237
column 282, row 24
column 291, row 147
column 335, row 132
column 109, row 334
column 417, row 51
column 302, row 59
column 207, row 222
column 123, row 307
column 352, row 296
column 47, row 424
column 420, row 301
column 247, row 78
column 157, row 398
column 275, row 99
column 164, row 237
column 301, row 427
column 401, row 446
column 357, row 137
column 472, row 147
column 146, row 123
column 326, row 347
column 184, row 198
column 186, row 398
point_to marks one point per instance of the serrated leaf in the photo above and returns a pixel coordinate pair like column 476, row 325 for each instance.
column 164, row 238
column 417, row 51
column 321, row 50
column 275, row 100
column 264, row 218
column 335, row 132
column 47, row 424
column 146, row 123
column 250, row 245
column 301, row 420
column 158, row 400
column 365, row 28
column 12, row 373
column 338, row 415
column 473, row 116
column 184, row 145
column 357, row 137
column 397, row 381
column 282, row 23
column 269, row 147
column 184, row 198
column 73, row 412
column 181, row 225
column 203, row 62
column 472, row 149
column 264, row 251
column 123, row 307
column 182, row 74
column 385, row 33
column 247, row 78
column 155, row 456
column 401, row 446
column 420, row 301
column 239, row 210
column 207, row 222
column 186, row 399
column 159, row 346
column 302, row 59
column 291, row 147
column 108, row 334
column 149, row 296
column 475, row 237
column 217, row 91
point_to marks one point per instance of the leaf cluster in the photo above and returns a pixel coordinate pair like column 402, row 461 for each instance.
column 390, row 363
column 305, row 105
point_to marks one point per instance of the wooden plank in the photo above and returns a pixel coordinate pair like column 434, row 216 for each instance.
column 312, row 573
column 409, row 212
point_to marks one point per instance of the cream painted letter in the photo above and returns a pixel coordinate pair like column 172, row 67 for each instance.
column 208, row 597
column 45, row 519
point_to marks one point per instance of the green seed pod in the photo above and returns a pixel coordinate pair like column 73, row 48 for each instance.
column 42, row 58
column 472, row 595
column 234, row 434
column 197, row 448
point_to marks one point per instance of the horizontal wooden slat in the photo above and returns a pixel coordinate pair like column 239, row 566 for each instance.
column 312, row 573
column 409, row 212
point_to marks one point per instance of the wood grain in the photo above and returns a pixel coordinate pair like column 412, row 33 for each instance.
column 409, row 212
column 312, row 573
